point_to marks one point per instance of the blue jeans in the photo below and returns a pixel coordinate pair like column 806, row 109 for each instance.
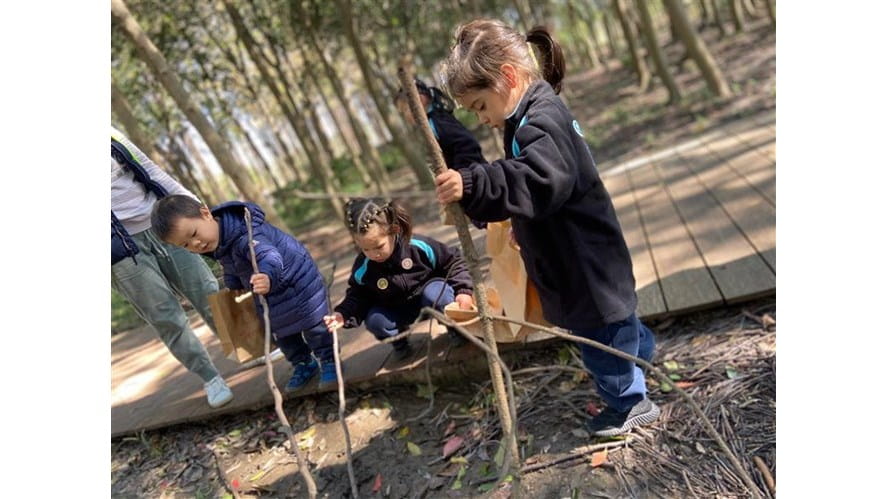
column 387, row 322
column 150, row 286
column 299, row 347
column 619, row 382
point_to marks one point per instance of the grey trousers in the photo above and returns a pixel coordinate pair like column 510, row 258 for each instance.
column 150, row 284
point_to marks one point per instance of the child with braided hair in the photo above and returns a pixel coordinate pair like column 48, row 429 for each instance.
column 396, row 274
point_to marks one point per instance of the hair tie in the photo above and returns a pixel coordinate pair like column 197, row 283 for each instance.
column 532, row 55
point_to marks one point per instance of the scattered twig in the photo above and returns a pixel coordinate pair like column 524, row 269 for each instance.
column 765, row 472
column 576, row 454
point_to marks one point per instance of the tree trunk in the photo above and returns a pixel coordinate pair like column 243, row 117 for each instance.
column 319, row 137
column 255, row 148
column 174, row 154
column 364, row 157
column 771, row 12
column 134, row 132
column 637, row 59
column 415, row 161
column 154, row 59
column 523, row 13
column 608, row 30
column 736, row 14
column 649, row 33
column 749, row 9
column 236, row 60
column 208, row 177
column 229, row 112
column 324, row 174
column 589, row 48
column 719, row 22
column 697, row 49
column 703, row 15
column 371, row 154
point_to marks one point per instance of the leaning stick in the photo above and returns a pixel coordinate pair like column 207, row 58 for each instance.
column 405, row 74
column 278, row 399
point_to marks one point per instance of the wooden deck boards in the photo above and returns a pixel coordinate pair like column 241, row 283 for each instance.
column 651, row 302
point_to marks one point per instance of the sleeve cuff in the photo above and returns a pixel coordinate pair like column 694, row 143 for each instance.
column 467, row 184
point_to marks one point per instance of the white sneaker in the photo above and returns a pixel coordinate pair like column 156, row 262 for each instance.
column 217, row 392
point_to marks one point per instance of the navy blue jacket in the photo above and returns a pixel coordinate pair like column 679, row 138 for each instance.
column 563, row 219
column 297, row 300
column 401, row 278
column 122, row 244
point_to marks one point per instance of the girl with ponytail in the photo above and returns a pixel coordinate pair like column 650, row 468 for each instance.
column 396, row 273
column 562, row 217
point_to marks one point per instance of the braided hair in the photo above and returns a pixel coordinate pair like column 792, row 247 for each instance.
column 390, row 216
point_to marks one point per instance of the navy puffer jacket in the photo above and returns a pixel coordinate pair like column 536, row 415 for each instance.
column 297, row 299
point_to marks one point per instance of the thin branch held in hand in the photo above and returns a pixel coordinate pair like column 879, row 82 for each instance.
column 340, row 381
column 269, row 370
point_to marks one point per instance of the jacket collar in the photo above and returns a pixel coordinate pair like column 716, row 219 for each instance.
column 536, row 89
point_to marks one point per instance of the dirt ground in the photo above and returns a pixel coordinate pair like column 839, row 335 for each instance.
column 724, row 358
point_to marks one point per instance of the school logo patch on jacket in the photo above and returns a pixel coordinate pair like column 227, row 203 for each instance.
column 577, row 128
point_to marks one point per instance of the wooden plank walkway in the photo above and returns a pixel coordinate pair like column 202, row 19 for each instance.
column 699, row 219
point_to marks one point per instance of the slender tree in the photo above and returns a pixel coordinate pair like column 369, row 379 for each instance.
column 771, row 12
column 634, row 50
column 148, row 52
column 649, row 33
column 415, row 160
column 697, row 49
column 130, row 123
column 287, row 104
column 719, row 21
column 737, row 15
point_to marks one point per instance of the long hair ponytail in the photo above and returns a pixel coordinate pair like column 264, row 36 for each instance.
column 551, row 62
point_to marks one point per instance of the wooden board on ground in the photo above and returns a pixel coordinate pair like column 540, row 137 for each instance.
column 745, row 207
column 731, row 259
column 650, row 300
column 744, row 156
column 686, row 283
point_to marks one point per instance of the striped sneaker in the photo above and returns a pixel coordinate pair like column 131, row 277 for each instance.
column 610, row 422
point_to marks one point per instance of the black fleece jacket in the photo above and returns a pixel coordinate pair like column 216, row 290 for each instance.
column 400, row 279
column 563, row 219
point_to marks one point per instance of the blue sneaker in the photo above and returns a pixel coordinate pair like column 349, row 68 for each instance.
column 302, row 374
column 328, row 374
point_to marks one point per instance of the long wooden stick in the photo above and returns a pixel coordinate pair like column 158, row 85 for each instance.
column 269, row 370
column 341, row 382
column 405, row 74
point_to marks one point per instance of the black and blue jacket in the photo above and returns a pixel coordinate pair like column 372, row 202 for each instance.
column 297, row 300
column 562, row 216
column 401, row 278
column 122, row 244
